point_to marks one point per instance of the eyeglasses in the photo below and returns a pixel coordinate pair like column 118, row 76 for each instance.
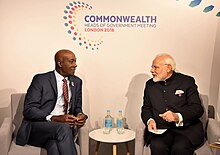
column 156, row 67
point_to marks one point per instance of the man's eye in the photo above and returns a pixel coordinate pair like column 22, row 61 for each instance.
column 155, row 67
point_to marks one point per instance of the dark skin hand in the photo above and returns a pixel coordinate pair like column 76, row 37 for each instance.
column 71, row 119
column 81, row 119
column 67, row 118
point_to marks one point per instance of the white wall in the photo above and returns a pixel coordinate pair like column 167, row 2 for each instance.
column 214, row 95
column 114, row 76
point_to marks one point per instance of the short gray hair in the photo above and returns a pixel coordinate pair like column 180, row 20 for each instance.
column 168, row 59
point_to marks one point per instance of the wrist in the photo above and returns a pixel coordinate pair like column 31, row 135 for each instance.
column 176, row 118
column 55, row 118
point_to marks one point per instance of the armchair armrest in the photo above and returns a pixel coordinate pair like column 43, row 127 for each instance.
column 139, row 139
column 5, row 135
column 213, row 133
column 211, row 111
column 84, row 139
column 213, row 129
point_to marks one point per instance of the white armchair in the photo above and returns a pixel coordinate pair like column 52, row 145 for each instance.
column 211, row 126
column 9, row 129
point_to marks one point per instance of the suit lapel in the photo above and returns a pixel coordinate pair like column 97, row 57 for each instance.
column 53, row 82
column 73, row 91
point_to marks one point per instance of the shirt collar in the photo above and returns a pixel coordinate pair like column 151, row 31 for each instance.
column 169, row 79
column 58, row 76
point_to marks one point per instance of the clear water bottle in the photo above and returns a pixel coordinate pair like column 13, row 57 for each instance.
column 108, row 123
column 119, row 123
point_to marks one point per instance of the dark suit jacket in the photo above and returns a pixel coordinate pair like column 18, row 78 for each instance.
column 179, row 94
column 41, row 98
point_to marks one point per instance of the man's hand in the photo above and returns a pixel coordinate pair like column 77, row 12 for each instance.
column 81, row 119
column 152, row 125
column 170, row 116
column 67, row 118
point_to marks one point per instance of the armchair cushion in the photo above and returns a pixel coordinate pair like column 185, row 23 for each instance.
column 204, row 150
column 25, row 150
column 5, row 135
column 213, row 133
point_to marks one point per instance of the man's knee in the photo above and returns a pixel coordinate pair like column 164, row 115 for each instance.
column 181, row 150
column 51, row 147
column 64, row 131
column 159, row 147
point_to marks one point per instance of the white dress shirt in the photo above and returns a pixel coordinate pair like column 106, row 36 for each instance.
column 59, row 107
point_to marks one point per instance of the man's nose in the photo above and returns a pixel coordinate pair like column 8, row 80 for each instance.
column 152, row 70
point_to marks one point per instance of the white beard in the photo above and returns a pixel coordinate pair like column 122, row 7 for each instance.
column 156, row 79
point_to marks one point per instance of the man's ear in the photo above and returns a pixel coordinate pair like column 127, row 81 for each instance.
column 59, row 64
column 169, row 68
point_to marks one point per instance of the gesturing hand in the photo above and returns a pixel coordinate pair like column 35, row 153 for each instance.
column 170, row 116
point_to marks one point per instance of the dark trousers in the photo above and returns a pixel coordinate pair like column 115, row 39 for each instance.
column 170, row 143
column 56, row 137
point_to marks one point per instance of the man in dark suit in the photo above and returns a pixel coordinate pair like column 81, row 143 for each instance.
column 49, row 122
column 171, row 101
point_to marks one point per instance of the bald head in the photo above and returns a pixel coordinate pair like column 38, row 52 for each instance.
column 61, row 54
column 65, row 62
